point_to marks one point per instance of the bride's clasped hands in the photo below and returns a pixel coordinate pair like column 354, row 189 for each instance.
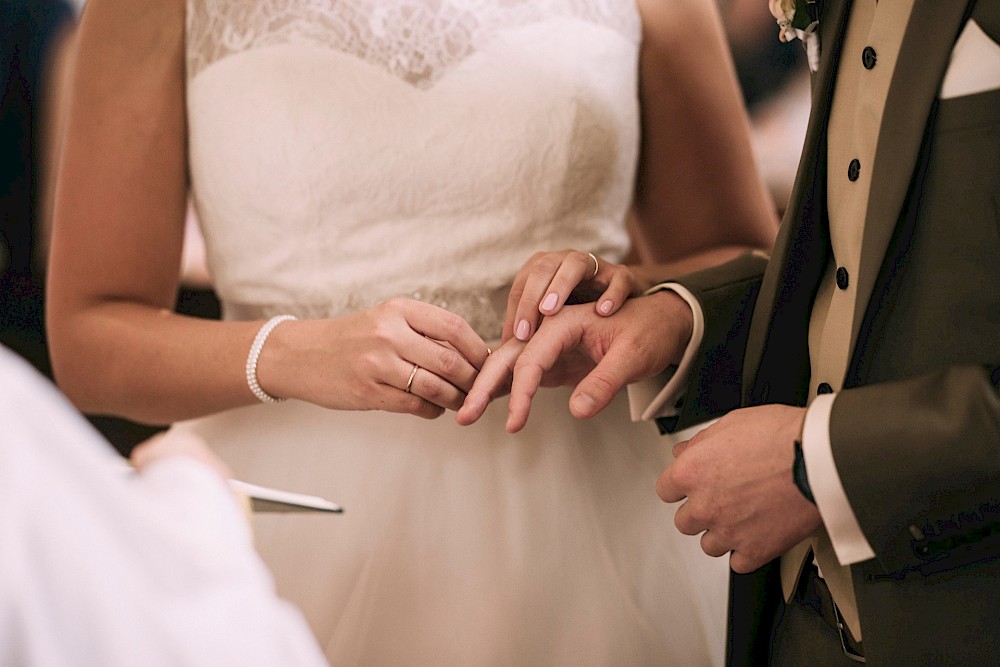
column 399, row 356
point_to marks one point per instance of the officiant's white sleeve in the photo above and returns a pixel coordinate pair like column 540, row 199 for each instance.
column 849, row 542
column 101, row 567
column 659, row 396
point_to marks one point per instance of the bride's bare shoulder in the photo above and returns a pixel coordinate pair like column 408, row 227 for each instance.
column 665, row 20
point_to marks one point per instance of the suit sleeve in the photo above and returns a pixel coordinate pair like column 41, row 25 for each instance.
column 940, row 435
column 727, row 294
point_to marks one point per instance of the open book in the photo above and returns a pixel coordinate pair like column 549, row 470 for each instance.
column 264, row 499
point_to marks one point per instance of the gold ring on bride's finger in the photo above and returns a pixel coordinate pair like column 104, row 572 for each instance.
column 597, row 265
column 409, row 380
column 489, row 350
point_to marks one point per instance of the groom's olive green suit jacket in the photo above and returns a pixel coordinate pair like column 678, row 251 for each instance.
column 915, row 431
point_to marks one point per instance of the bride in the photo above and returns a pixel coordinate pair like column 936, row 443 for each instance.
column 370, row 175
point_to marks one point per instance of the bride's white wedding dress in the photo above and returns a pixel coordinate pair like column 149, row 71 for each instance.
column 346, row 151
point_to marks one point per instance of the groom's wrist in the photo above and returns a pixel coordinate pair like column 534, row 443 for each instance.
column 678, row 321
column 677, row 324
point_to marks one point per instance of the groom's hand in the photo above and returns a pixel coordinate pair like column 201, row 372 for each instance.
column 602, row 354
column 736, row 477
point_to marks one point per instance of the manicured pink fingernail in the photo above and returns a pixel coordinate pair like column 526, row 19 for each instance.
column 550, row 302
column 607, row 306
column 523, row 328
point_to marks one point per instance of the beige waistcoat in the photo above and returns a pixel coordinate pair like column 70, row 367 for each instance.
column 855, row 121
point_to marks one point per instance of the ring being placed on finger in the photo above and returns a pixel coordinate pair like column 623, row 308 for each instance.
column 597, row 265
column 409, row 380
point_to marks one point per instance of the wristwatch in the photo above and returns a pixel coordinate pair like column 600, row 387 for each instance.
column 799, row 474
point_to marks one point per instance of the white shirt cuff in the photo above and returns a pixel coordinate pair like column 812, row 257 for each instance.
column 658, row 396
column 849, row 542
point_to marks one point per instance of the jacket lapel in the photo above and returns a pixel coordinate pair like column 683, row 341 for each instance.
column 930, row 36
column 782, row 309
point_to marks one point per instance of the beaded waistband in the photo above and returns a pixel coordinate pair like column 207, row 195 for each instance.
column 483, row 309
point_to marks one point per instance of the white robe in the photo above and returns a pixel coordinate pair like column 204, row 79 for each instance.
column 99, row 566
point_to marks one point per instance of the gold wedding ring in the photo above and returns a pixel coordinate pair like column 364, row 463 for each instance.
column 597, row 265
column 409, row 380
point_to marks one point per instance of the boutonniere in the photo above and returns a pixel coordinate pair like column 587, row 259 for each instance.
column 798, row 19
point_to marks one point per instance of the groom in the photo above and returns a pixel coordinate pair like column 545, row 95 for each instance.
column 858, row 490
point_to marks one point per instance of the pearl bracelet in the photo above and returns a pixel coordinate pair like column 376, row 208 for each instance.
column 258, row 345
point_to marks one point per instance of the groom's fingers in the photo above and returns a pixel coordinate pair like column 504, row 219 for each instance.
column 492, row 381
column 527, row 379
column 713, row 545
column 667, row 488
column 540, row 354
column 596, row 390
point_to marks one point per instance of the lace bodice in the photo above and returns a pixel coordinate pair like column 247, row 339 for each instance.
column 416, row 40
column 346, row 151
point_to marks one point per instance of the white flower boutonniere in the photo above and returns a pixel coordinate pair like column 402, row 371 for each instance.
column 798, row 19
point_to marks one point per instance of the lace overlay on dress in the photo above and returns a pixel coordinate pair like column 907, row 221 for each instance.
column 393, row 34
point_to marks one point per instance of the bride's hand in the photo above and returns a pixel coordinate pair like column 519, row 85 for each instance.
column 548, row 280
column 400, row 356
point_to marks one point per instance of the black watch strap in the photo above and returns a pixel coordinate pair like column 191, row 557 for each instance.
column 799, row 474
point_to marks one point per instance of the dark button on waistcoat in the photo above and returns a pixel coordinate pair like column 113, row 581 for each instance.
column 843, row 278
column 869, row 57
column 854, row 170
column 824, row 388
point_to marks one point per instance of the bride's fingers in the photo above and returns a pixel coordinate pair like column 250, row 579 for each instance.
column 441, row 360
column 396, row 399
column 430, row 387
column 577, row 267
column 493, row 381
column 513, row 298
column 619, row 289
column 450, row 338
column 428, row 410
column 526, row 314
column 552, row 278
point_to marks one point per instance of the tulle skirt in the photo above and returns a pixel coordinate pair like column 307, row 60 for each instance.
column 471, row 546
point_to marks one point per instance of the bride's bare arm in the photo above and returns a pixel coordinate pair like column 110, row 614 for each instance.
column 699, row 198
column 117, row 347
column 119, row 223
